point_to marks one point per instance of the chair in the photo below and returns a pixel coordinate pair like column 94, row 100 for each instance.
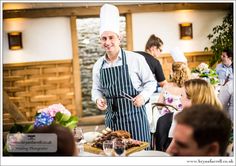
column 160, row 139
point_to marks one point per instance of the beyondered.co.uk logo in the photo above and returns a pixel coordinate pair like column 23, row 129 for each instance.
column 23, row 143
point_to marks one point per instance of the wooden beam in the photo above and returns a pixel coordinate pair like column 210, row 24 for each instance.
column 37, row 63
column 92, row 120
column 76, row 67
column 129, row 32
column 189, row 54
column 124, row 9
column 10, row 107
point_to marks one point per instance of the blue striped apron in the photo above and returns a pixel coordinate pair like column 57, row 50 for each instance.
column 121, row 114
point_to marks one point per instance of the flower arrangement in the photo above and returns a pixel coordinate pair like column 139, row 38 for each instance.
column 55, row 114
column 203, row 71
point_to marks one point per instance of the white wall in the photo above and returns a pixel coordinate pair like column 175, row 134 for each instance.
column 50, row 38
column 166, row 26
column 43, row 39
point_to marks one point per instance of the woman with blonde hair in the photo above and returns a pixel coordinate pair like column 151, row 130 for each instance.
column 171, row 93
column 196, row 91
column 199, row 91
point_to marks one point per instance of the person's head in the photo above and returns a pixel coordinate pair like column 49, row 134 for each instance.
column 199, row 91
column 201, row 130
column 109, row 28
column 227, row 57
column 180, row 73
column 154, row 46
column 110, row 42
column 65, row 139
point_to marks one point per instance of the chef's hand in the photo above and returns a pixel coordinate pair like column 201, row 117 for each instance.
column 138, row 101
column 101, row 104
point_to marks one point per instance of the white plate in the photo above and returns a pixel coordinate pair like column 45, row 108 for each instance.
column 90, row 136
column 144, row 153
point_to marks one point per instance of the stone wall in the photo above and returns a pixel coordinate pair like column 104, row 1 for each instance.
column 89, row 52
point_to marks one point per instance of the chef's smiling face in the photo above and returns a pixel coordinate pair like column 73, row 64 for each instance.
column 110, row 41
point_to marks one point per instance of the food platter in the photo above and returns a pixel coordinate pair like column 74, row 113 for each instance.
column 90, row 149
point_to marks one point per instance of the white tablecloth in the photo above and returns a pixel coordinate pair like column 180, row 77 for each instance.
column 149, row 153
column 142, row 153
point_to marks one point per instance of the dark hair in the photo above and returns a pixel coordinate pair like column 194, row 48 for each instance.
column 209, row 124
column 229, row 53
column 153, row 41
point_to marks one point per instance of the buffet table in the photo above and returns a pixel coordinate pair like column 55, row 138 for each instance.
column 89, row 149
column 93, row 151
column 143, row 153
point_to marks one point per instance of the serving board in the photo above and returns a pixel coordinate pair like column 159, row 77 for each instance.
column 90, row 149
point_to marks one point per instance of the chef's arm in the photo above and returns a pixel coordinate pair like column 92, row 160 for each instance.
column 96, row 87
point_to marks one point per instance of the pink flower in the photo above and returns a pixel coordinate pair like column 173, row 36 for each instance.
column 54, row 108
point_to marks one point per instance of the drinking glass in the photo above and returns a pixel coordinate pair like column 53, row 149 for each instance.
column 78, row 136
column 119, row 147
column 108, row 147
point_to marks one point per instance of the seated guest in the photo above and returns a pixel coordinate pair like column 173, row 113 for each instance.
column 196, row 91
column 171, row 92
column 201, row 130
column 225, row 68
column 199, row 91
column 226, row 96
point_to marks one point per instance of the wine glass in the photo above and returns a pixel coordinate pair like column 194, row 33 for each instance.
column 79, row 136
column 108, row 147
column 119, row 147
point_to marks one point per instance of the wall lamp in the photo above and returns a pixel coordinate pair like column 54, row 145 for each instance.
column 15, row 40
column 186, row 31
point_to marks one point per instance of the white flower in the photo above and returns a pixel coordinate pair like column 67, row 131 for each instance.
column 202, row 66
column 194, row 75
column 203, row 71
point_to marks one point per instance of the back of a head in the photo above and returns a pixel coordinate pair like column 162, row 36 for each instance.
column 209, row 123
column 153, row 41
column 180, row 73
column 200, row 91
column 65, row 139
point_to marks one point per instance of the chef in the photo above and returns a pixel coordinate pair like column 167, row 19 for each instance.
column 178, row 55
column 122, row 81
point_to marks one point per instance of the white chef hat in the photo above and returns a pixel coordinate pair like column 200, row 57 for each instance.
column 178, row 55
column 109, row 19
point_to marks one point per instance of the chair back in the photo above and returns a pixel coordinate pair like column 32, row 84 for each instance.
column 160, row 140
column 161, row 105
